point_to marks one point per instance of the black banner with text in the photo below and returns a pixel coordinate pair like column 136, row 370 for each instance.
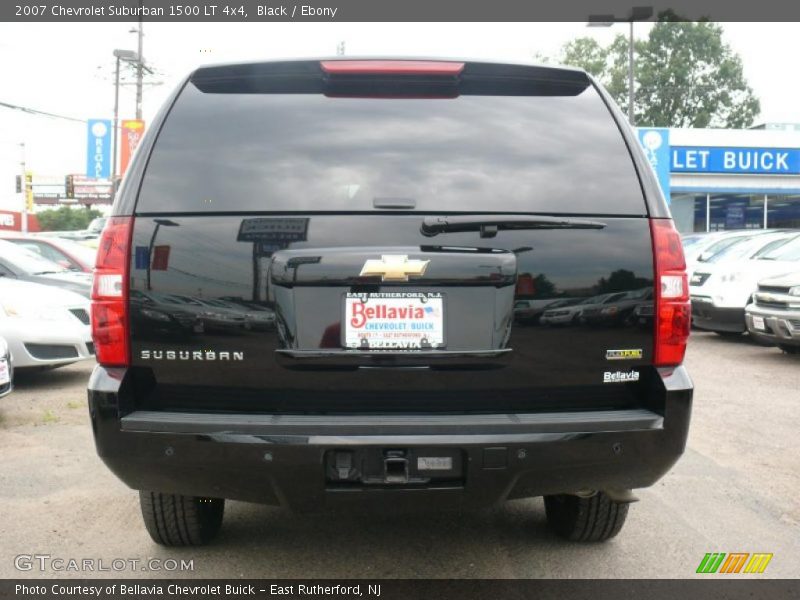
column 385, row 10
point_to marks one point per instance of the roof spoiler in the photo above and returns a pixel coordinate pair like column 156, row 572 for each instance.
column 345, row 75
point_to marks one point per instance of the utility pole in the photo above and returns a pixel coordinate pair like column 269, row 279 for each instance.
column 139, row 69
column 24, row 190
column 116, row 131
column 128, row 56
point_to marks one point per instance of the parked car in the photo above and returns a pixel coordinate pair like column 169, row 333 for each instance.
column 774, row 315
column 22, row 264
column 65, row 253
column 552, row 309
column 44, row 326
column 700, row 247
column 350, row 198
column 615, row 308
column 160, row 316
column 572, row 313
column 96, row 226
column 621, row 309
column 257, row 315
column 527, row 311
column 720, row 292
column 745, row 248
column 6, row 370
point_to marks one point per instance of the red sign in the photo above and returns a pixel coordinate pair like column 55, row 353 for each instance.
column 12, row 221
column 132, row 132
column 160, row 258
column 525, row 285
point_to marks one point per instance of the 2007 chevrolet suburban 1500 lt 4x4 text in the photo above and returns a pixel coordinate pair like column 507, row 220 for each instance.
column 305, row 296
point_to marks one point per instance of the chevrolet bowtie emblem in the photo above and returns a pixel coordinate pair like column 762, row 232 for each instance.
column 394, row 267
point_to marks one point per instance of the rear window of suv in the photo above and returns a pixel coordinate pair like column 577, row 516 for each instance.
column 242, row 152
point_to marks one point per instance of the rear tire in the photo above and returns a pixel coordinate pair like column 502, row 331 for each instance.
column 594, row 519
column 789, row 349
column 174, row 520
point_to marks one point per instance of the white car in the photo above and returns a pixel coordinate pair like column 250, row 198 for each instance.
column 44, row 326
column 6, row 371
column 721, row 291
column 700, row 247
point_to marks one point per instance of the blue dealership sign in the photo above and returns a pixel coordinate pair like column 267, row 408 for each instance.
column 655, row 141
column 721, row 159
column 98, row 155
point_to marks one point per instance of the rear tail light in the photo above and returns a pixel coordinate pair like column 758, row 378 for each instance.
column 672, row 309
column 110, row 293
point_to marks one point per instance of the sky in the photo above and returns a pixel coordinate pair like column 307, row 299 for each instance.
column 68, row 69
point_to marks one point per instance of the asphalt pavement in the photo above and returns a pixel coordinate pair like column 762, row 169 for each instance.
column 736, row 489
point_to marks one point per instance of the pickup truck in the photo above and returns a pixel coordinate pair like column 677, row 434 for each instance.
column 386, row 215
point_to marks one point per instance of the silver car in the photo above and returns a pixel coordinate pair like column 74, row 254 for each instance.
column 774, row 315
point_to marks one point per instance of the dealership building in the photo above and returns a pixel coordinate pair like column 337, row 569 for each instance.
column 717, row 179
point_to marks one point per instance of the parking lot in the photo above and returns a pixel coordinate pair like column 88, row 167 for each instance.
column 735, row 490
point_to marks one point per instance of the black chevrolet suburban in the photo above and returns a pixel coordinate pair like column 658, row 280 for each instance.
column 305, row 297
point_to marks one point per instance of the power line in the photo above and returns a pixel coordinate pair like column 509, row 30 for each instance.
column 33, row 111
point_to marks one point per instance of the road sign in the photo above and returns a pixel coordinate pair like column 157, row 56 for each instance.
column 655, row 141
column 85, row 188
column 273, row 230
column 98, row 153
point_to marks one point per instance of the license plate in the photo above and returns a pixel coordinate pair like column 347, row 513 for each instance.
column 758, row 323
column 5, row 376
column 403, row 320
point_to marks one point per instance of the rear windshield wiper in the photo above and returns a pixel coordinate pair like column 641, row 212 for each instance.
column 489, row 225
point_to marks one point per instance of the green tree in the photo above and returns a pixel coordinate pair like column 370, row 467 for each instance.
column 621, row 280
column 686, row 75
column 65, row 218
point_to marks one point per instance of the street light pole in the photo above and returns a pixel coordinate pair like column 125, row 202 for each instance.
column 637, row 13
column 631, row 118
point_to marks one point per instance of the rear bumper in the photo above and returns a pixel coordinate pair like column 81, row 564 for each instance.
column 706, row 315
column 282, row 460
column 781, row 326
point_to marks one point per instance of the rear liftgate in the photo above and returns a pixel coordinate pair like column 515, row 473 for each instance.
column 384, row 315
